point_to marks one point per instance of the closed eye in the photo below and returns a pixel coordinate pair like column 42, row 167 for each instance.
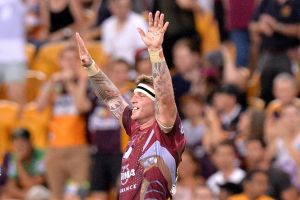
column 141, row 94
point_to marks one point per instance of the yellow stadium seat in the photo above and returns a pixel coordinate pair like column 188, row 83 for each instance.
column 207, row 28
column 8, row 121
column 30, row 50
column 37, row 123
column 46, row 59
column 97, row 52
column 34, row 82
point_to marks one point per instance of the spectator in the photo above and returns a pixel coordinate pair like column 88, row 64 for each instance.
column 205, row 24
column 285, row 142
column 66, row 93
column 255, row 186
column 225, row 159
column 34, row 24
column 61, row 18
column 119, row 36
column 290, row 194
column 186, row 61
column 193, row 124
column 237, row 16
column 98, row 13
column 25, row 167
column 189, row 176
column 256, row 158
column 231, row 73
column 182, row 25
column 106, row 135
column 12, row 49
column 250, row 125
column 194, row 127
column 276, row 27
column 285, row 91
column 226, row 102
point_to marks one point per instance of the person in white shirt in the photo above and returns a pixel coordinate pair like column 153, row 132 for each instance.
column 224, row 157
column 119, row 36
column 12, row 48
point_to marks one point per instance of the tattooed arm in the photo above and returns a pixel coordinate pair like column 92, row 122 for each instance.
column 165, row 107
column 102, row 85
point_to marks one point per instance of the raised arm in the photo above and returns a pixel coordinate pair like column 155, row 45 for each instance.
column 102, row 85
column 165, row 107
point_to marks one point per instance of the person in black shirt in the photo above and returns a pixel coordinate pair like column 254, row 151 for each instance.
column 275, row 25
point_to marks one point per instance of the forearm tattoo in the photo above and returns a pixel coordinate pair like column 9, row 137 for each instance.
column 163, row 86
column 108, row 92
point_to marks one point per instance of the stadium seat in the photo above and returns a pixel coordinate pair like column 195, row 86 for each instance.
column 47, row 58
column 207, row 28
column 97, row 52
column 30, row 51
column 34, row 82
column 8, row 121
column 37, row 123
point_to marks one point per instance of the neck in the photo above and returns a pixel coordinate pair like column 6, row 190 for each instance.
column 121, row 20
column 146, row 124
column 195, row 121
column 189, row 181
column 250, row 195
column 227, row 171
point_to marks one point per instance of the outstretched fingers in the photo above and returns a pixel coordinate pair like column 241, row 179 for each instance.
column 158, row 21
column 81, row 46
column 150, row 19
column 142, row 33
column 84, row 55
column 156, row 18
column 164, row 29
column 161, row 21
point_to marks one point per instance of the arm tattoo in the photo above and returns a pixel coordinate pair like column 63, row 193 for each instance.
column 163, row 87
column 107, row 91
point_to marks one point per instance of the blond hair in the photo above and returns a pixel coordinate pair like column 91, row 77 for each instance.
column 144, row 79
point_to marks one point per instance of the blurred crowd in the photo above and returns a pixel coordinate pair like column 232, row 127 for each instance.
column 235, row 72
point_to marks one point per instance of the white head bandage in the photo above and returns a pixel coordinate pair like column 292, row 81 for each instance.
column 145, row 89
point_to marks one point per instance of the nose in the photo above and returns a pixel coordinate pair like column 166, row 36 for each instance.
column 134, row 98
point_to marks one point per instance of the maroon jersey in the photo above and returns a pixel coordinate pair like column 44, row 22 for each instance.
column 149, row 165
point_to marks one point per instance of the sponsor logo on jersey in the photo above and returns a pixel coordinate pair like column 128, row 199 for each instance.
column 126, row 173
column 130, row 187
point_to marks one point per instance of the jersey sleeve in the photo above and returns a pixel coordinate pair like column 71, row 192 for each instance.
column 175, row 139
column 127, row 121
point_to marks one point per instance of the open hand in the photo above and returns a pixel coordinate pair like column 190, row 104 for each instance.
column 85, row 57
column 153, row 39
